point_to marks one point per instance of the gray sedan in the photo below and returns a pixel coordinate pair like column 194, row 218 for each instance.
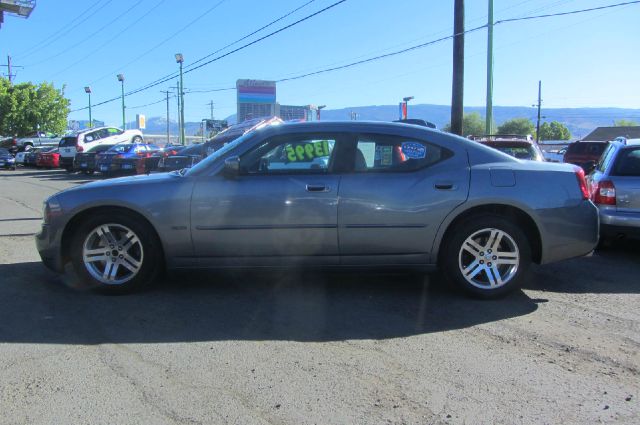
column 339, row 194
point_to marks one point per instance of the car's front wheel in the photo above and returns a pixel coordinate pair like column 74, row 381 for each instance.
column 115, row 253
column 487, row 256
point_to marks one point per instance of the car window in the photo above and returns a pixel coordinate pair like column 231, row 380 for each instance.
column 113, row 131
column 92, row 136
column 290, row 154
column 628, row 163
column 376, row 153
column 605, row 159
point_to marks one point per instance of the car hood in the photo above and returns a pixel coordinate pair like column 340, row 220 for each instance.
column 122, row 182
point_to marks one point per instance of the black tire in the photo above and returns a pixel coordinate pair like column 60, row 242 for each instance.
column 148, row 251
column 136, row 139
column 485, row 276
column 88, row 172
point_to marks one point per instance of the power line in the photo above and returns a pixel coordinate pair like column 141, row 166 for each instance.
column 90, row 36
column 175, row 74
column 64, row 30
column 271, row 34
column 352, row 64
column 169, row 38
column 573, row 12
column 120, row 33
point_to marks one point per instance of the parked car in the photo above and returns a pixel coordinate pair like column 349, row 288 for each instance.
column 521, row 147
column 615, row 189
column 37, row 139
column 20, row 157
column 31, row 156
column 48, row 159
column 86, row 161
column 86, row 139
column 7, row 160
column 153, row 162
column 555, row 155
column 9, row 143
column 185, row 158
column 478, row 214
column 123, row 157
column 584, row 154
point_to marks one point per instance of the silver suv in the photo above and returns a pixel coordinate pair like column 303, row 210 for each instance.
column 615, row 189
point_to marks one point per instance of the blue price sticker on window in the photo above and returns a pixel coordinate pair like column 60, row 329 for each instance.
column 413, row 150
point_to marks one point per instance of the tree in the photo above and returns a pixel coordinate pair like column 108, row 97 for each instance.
column 472, row 123
column 625, row 123
column 517, row 126
column 27, row 107
column 554, row 131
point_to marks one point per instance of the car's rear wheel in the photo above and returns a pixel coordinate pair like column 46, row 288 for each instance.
column 487, row 256
column 136, row 139
column 115, row 253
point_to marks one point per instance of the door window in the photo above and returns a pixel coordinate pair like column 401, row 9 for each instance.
column 114, row 131
column 628, row 163
column 375, row 153
column 92, row 136
column 290, row 154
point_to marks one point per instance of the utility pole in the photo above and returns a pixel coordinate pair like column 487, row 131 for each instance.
column 489, row 107
column 539, row 107
column 211, row 105
column 457, row 89
column 166, row 92
column 177, row 87
column 10, row 67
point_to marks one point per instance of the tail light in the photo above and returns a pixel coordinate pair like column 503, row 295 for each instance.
column 604, row 193
column 79, row 148
column 582, row 182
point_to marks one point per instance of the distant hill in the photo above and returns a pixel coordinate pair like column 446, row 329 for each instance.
column 580, row 121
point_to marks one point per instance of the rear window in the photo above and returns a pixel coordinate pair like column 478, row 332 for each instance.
column 67, row 142
column 628, row 163
column 587, row 148
column 518, row 150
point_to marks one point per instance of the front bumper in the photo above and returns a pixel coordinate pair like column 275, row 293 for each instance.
column 49, row 249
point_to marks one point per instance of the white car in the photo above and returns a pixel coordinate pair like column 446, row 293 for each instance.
column 86, row 139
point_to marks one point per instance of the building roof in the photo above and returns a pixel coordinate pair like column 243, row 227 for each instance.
column 604, row 134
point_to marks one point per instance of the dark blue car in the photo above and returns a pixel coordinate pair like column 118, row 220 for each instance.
column 124, row 157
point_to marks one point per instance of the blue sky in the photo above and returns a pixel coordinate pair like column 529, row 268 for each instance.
column 584, row 60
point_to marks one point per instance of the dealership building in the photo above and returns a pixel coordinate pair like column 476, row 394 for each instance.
column 257, row 99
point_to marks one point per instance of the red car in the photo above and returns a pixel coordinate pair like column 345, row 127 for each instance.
column 50, row 159
column 585, row 154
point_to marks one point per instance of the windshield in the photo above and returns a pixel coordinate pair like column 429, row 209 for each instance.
column 219, row 153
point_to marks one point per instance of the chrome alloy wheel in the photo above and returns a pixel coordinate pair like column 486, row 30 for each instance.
column 489, row 258
column 112, row 254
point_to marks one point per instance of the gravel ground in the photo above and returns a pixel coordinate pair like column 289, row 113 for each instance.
column 309, row 347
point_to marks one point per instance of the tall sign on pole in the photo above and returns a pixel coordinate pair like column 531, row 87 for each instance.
column 489, row 108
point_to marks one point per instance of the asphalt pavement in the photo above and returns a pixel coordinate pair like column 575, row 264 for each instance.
column 295, row 347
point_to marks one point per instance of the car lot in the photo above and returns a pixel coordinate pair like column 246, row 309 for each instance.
column 312, row 347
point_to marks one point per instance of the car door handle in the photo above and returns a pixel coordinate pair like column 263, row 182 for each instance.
column 444, row 186
column 317, row 188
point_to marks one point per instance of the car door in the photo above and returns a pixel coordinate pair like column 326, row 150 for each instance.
column 393, row 202
column 625, row 176
column 281, row 208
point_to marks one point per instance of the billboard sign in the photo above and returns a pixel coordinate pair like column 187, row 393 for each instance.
column 256, row 91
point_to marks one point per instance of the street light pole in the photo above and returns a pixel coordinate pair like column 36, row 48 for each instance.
column 87, row 90
column 180, row 60
column 124, row 121
column 489, row 107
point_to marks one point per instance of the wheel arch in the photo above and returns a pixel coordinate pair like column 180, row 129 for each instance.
column 519, row 216
column 71, row 225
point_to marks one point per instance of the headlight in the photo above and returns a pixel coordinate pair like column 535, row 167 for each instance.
column 50, row 208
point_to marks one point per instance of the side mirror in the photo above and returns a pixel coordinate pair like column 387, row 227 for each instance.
column 232, row 167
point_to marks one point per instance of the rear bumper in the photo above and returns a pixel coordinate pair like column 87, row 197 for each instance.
column 66, row 161
column 616, row 224
column 569, row 232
